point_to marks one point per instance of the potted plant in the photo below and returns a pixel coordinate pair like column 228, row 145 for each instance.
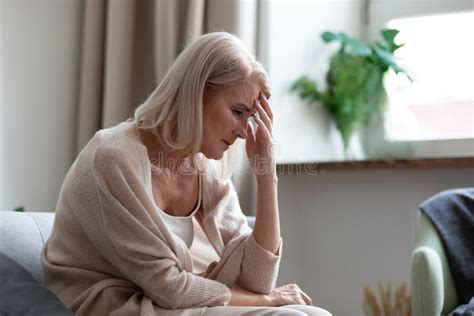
column 355, row 91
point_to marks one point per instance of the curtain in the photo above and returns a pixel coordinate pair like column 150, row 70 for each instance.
column 128, row 46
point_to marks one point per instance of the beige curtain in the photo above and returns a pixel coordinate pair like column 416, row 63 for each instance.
column 127, row 47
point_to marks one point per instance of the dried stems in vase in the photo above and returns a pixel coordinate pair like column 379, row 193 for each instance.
column 399, row 305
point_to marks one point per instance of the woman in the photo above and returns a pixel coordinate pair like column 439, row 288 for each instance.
column 146, row 224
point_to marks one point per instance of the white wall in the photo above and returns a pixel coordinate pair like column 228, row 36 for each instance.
column 39, row 61
column 344, row 229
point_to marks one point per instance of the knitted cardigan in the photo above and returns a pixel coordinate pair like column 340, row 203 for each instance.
column 110, row 252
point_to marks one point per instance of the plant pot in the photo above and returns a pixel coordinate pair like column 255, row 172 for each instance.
column 354, row 150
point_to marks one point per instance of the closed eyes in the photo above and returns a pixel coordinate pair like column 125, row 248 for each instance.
column 237, row 113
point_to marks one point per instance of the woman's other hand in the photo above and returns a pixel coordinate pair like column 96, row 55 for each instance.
column 241, row 297
column 261, row 150
column 287, row 295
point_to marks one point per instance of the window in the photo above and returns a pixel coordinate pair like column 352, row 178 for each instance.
column 438, row 54
column 434, row 115
column 305, row 132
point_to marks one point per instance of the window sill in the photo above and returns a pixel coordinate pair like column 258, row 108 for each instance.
column 414, row 163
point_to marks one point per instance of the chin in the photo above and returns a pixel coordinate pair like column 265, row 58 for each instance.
column 213, row 154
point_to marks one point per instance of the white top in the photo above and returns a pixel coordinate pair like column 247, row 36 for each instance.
column 182, row 226
column 188, row 229
column 202, row 252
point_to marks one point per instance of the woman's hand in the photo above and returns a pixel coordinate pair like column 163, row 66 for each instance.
column 284, row 295
column 241, row 297
column 261, row 150
column 287, row 295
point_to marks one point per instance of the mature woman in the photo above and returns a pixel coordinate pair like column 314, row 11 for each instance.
column 148, row 222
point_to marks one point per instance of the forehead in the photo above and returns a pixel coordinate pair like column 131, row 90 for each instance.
column 246, row 91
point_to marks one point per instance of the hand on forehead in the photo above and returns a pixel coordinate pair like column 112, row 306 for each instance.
column 245, row 94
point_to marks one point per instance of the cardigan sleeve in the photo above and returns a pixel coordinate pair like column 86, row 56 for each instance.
column 128, row 238
column 259, row 267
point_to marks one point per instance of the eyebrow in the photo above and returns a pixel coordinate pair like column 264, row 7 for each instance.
column 245, row 106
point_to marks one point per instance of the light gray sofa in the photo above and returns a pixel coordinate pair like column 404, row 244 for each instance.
column 23, row 235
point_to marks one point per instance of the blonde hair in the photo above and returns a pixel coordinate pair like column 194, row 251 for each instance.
column 173, row 112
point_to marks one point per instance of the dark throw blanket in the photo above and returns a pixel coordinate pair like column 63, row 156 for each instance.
column 452, row 214
column 465, row 310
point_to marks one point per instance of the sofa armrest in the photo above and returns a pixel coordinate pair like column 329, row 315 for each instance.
column 426, row 282
column 22, row 236
column 432, row 286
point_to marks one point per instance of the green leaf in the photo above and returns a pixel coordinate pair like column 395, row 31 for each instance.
column 328, row 36
column 389, row 37
column 359, row 48
column 388, row 61
column 356, row 46
column 19, row 209
column 306, row 88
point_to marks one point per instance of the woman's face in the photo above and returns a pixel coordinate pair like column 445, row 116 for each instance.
column 226, row 114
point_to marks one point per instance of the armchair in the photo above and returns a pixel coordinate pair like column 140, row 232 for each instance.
column 432, row 286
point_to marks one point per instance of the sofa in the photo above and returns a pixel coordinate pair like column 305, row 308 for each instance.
column 22, row 236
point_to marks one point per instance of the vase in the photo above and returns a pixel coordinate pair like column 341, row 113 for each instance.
column 354, row 150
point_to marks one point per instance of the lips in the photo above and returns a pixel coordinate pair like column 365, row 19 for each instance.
column 226, row 144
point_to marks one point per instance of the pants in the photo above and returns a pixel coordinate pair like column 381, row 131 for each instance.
column 287, row 310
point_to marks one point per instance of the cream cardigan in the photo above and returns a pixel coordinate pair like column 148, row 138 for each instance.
column 111, row 253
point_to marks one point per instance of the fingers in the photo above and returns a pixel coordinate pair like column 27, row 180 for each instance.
column 298, row 297
column 266, row 106
column 290, row 294
column 306, row 298
column 264, row 115
column 262, row 128
column 301, row 301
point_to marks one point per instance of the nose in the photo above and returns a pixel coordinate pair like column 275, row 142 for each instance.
column 241, row 129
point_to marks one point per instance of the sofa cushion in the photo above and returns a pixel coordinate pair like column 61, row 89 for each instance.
column 23, row 235
column 21, row 294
